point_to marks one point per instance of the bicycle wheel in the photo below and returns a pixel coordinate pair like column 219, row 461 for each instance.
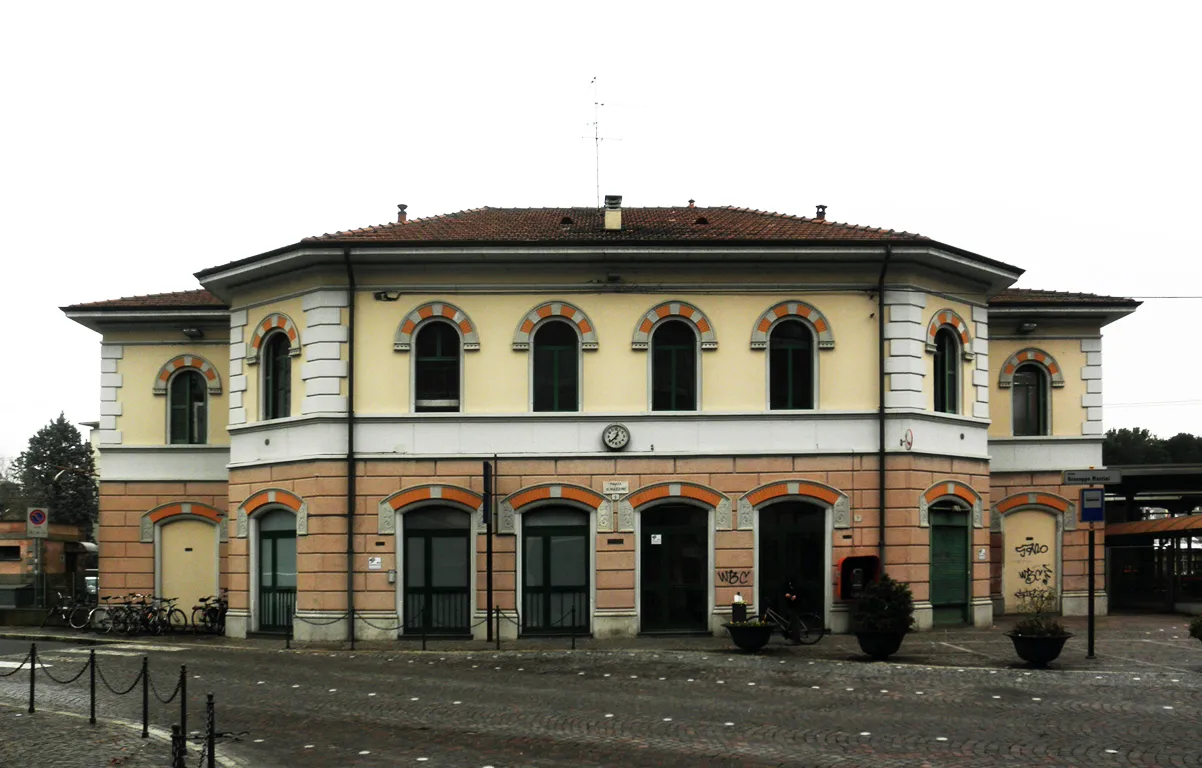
column 810, row 628
column 79, row 616
column 198, row 620
column 177, row 621
column 101, row 620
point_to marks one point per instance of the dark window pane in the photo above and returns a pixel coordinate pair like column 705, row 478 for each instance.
column 947, row 372
column 674, row 367
column 188, row 418
column 1030, row 403
column 556, row 368
column 277, row 377
column 791, row 366
column 436, row 378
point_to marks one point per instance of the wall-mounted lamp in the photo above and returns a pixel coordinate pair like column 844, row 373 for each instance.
column 386, row 295
column 193, row 333
column 1027, row 327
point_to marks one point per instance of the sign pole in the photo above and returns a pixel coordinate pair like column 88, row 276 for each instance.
column 488, row 492
column 1090, row 654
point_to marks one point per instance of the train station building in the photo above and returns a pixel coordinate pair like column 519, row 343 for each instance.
column 679, row 404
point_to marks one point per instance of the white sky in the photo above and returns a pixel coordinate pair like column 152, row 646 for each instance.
column 144, row 141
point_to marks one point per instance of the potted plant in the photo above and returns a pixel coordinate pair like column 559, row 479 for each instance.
column 1038, row 638
column 882, row 617
column 1195, row 627
column 750, row 635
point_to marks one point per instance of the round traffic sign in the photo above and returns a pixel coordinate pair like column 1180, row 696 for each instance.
column 37, row 516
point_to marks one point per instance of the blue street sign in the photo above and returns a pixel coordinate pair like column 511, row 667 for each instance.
column 1093, row 505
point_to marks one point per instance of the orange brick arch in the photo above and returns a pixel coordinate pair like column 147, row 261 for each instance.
column 562, row 309
column 658, row 493
column 269, row 498
column 801, row 490
column 187, row 510
column 550, row 493
column 949, row 318
column 403, row 340
column 191, row 362
column 1064, row 509
column 793, row 309
column 272, row 322
column 951, row 490
column 1031, row 355
column 424, row 495
column 676, row 310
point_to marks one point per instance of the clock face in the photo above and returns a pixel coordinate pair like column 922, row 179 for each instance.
column 615, row 437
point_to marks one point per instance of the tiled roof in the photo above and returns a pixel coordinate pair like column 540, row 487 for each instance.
column 198, row 299
column 533, row 225
column 1024, row 296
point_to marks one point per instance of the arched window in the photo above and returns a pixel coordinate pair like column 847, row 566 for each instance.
column 556, row 368
column 436, row 369
column 791, row 366
column 1030, row 401
column 189, row 411
column 674, row 367
column 947, row 372
column 277, row 377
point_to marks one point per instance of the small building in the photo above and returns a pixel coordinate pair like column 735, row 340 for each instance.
column 679, row 404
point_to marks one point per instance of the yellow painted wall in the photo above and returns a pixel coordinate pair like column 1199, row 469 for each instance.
column 1029, row 549
column 188, row 561
column 968, row 395
column 733, row 377
column 252, row 399
column 1067, row 413
column 143, row 419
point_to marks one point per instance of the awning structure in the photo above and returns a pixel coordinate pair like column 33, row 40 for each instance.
column 1164, row 526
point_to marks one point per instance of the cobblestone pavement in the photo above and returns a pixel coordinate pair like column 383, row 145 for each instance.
column 678, row 702
column 67, row 741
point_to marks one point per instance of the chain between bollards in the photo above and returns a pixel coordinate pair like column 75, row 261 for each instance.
column 183, row 698
column 178, row 750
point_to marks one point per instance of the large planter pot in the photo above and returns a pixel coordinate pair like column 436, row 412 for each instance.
column 1038, row 650
column 750, row 638
column 880, row 645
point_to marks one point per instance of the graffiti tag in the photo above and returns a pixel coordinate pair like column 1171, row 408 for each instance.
column 1041, row 574
column 734, row 577
column 1031, row 548
column 1030, row 594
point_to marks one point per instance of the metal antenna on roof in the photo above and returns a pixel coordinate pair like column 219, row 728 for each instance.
column 597, row 137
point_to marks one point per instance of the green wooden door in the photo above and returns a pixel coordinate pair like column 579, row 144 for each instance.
column 950, row 565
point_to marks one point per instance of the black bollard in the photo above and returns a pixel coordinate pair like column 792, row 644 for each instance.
column 92, row 685
column 177, row 747
column 573, row 630
column 498, row 615
column 211, row 735
column 183, row 698
column 33, row 663
column 146, row 697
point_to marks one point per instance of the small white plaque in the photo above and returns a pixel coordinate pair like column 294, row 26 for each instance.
column 657, row 538
column 375, row 563
column 982, row 554
column 616, row 487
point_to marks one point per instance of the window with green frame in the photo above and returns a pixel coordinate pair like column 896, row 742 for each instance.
column 947, row 372
column 277, row 377
column 791, row 366
column 674, row 367
column 556, row 367
column 188, row 405
column 1029, row 393
column 436, row 369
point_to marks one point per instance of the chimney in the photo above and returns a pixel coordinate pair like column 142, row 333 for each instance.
column 613, row 212
column 401, row 216
column 821, row 215
column 691, row 201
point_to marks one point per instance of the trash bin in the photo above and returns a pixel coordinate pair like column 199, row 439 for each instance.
column 738, row 609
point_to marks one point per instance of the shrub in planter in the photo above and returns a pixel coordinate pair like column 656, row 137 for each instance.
column 882, row 617
column 750, row 635
column 1038, row 638
column 1195, row 627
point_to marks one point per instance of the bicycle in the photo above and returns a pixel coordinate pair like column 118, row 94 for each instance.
column 209, row 615
column 800, row 628
column 64, row 608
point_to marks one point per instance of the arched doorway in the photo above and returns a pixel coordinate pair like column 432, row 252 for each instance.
column 793, row 549
column 438, row 570
column 555, row 571
column 950, row 564
column 674, row 564
column 187, row 558
column 276, row 570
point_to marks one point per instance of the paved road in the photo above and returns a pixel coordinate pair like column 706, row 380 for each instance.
column 1140, row 704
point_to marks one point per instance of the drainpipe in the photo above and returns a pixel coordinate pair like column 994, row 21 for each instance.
column 350, row 448
column 880, row 322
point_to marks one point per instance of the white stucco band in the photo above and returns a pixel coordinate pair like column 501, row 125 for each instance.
column 110, row 403
column 238, row 322
column 324, row 346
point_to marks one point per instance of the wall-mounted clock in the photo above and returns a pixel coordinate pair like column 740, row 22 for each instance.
column 616, row 437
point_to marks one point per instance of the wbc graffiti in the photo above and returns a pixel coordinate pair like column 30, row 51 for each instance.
column 734, row 578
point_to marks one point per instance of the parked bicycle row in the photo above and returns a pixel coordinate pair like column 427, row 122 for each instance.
column 138, row 613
